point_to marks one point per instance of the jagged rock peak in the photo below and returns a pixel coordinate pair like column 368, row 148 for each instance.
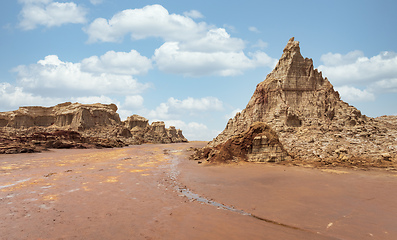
column 310, row 120
column 292, row 95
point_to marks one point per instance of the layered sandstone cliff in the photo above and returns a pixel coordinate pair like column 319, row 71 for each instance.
column 95, row 125
column 310, row 119
column 73, row 115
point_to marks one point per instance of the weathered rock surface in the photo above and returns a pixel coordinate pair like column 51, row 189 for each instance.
column 75, row 125
column 258, row 144
column 311, row 121
column 76, row 116
column 154, row 133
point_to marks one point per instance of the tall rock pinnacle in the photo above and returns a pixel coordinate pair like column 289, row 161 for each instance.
column 292, row 95
column 303, row 114
column 296, row 115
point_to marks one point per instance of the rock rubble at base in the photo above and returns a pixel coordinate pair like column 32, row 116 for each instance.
column 311, row 121
column 75, row 125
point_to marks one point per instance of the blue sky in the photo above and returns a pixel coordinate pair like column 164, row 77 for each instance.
column 192, row 64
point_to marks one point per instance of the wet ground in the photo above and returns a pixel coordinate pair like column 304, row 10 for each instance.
column 153, row 192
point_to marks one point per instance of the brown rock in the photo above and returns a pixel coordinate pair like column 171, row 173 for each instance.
column 312, row 123
column 73, row 115
column 136, row 121
column 258, row 144
column 75, row 125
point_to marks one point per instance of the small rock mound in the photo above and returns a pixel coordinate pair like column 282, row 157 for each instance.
column 259, row 144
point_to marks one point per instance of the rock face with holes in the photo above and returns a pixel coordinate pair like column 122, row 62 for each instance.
column 312, row 123
column 99, row 124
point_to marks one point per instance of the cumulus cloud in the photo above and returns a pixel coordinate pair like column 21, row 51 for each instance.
column 189, row 49
column 94, row 99
column 232, row 114
column 385, row 85
column 230, row 28
column 253, row 29
column 260, row 44
column 359, row 78
column 193, row 14
column 49, row 13
column 149, row 21
column 378, row 72
column 352, row 94
column 174, row 108
column 171, row 58
column 128, row 63
column 12, row 97
column 133, row 102
column 96, row 2
column 215, row 40
column 202, row 104
column 337, row 59
column 53, row 76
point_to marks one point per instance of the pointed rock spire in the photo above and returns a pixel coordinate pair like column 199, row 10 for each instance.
column 292, row 95
column 308, row 123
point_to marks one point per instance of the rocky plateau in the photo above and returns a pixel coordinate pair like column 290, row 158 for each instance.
column 311, row 123
column 75, row 125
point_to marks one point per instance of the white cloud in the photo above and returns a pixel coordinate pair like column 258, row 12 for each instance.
column 128, row 63
column 215, row 40
column 172, row 59
column 337, row 59
column 133, row 101
column 352, row 94
column 95, row 99
column 202, row 104
column 59, row 78
column 175, row 108
column 190, row 48
column 13, row 97
column 231, row 28
column 260, row 44
column 385, row 85
column 49, row 13
column 193, row 14
column 149, row 21
column 261, row 59
column 354, row 68
column 359, row 78
column 96, row 2
column 254, row 29
column 232, row 114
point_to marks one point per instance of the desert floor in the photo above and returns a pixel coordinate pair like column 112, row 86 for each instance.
column 154, row 192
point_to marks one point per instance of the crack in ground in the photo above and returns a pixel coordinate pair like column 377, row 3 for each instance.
column 174, row 172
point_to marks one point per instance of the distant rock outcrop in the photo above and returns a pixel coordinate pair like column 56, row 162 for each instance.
column 75, row 116
column 312, row 123
column 154, row 133
column 78, row 125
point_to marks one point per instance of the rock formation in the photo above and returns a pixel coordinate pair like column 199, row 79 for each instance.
column 311, row 121
column 75, row 116
column 258, row 144
column 91, row 125
column 154, row 133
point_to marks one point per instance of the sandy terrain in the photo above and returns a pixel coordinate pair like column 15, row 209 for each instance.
column 154, row 192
